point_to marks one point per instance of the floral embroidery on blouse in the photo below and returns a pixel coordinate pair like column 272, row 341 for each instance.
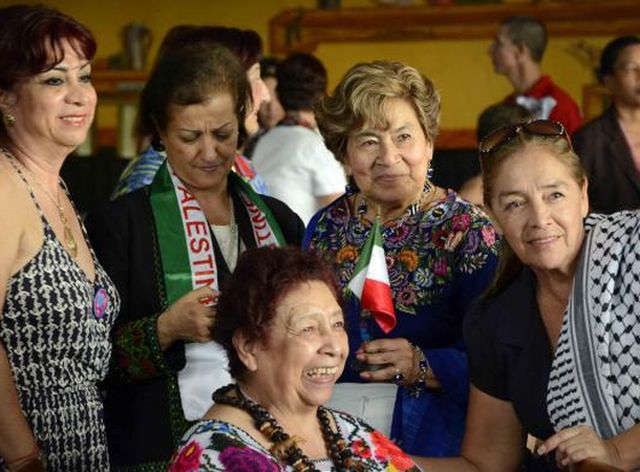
column 423, row 251
column 217, row 446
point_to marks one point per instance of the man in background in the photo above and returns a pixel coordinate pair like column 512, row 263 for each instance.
column 517, row 54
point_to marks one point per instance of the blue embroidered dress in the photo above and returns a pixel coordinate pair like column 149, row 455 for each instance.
column 439, row 260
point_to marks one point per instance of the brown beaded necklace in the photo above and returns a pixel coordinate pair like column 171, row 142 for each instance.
column 285, row 447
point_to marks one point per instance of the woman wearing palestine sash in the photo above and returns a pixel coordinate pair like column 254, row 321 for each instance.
column 171, row 245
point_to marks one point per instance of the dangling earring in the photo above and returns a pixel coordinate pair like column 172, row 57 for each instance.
column 156, row 144
column 9, row 120
column 351, row 186
column 429, row 171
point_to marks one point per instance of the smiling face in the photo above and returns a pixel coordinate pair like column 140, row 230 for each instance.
column 201, row 140
column 259, row 95
column 624, row 83
column 305, row 353
column 540, row 207
column 390, row 165
column 55, row 107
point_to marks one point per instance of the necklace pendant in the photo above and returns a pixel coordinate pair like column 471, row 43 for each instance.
column 70, row 241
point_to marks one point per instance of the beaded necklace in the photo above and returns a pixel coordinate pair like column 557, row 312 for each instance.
column 285, row 447
column 426, row 196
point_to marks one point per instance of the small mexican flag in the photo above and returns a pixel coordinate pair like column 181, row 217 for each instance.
column 370, row 282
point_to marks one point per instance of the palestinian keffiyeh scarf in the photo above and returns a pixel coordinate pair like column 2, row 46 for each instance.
column 595, row 375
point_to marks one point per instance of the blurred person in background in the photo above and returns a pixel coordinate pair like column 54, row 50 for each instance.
column 609, row 146
column 292, row 157
column 517, row 54
column 271, row 111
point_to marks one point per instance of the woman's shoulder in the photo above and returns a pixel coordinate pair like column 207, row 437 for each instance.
column 461, row 227
column 214, row 445
column 455, row 205
column 370, row 447
column 328, row 220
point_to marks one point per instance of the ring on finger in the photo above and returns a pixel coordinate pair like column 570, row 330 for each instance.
column 398, row 377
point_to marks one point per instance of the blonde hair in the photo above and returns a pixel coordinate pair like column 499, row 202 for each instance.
column 361, row 95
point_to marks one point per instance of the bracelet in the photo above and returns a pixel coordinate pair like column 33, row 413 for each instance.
column 423, row 368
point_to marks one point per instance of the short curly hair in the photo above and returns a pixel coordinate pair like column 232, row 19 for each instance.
column 360, row 97
column 251, row 295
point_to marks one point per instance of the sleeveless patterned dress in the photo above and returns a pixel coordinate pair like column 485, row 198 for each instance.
column 55, row 327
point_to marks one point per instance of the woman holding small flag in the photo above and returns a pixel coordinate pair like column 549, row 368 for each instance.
column 410, row 256
column 170, row 246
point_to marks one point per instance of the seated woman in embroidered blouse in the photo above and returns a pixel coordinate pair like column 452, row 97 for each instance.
column 168, row 247
column 280, row 322
column 441, row 251
column 554, row 347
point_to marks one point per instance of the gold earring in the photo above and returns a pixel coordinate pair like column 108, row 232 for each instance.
column 9, row 120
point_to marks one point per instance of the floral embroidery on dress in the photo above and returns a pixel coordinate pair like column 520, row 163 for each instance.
column 244, row 458
column 220, row 446
column 422, row 250
column 187, row 459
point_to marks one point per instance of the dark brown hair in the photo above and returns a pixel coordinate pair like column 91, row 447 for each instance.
column 190, row 76
column 250, row 297
column 246, row 45
column 31, row 42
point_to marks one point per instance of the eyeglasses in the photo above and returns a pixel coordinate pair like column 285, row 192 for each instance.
column 545, row 128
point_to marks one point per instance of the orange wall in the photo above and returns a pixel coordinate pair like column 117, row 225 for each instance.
column 461, row 69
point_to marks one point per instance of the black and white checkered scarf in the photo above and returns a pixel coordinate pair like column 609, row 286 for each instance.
column 595, row 375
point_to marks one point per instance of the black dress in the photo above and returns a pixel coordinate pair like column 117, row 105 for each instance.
column 144, row 415
column 55, row 327
column 510, row 357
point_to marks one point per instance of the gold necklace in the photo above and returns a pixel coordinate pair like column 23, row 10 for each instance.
column 69, row 240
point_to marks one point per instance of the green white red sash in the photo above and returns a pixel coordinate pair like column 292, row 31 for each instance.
column 188, row 262
column 184, row 238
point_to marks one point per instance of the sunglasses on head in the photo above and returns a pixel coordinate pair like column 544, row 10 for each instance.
column 545, row 128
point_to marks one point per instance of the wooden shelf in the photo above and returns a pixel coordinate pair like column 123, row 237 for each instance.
column 303, row 29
